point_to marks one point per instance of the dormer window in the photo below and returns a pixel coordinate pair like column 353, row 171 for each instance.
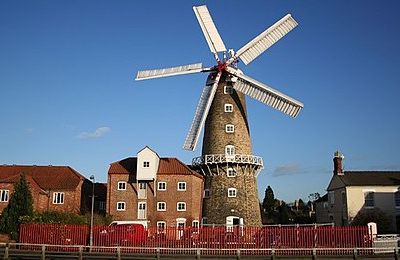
column 146, row 164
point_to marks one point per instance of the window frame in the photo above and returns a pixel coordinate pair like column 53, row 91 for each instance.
column 231, row 149
column 232, row 192
column 229, row 171
column 165, row 186
column 228, row 108
column 161, row 203
column 121, row 208
column 161, row 228
column 58, row 197
column 228, row 89
column 181, row 203
column 120, row 183
column 229, row 128
column 181, row 189
column 146, row 164
column 4, row 195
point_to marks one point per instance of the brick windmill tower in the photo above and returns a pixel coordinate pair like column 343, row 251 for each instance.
column 227, row 161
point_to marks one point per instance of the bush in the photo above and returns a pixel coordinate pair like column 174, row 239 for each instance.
column 376, row 215
column 53, row 217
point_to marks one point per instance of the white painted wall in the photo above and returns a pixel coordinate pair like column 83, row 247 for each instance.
column 147, row 173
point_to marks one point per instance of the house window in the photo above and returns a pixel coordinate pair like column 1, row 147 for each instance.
column 161, row 206
column 229, row 128
column 162, row 186
column 206, row 193
column 228, row 108
column 181, row 206
column 231, row 172
column 228, row 90
column 122, row 185
column 204, row 221
column 231, row 192
column 161, row 226
column 181, row 186
column 369, row 199
column 195, row 225
column 229, row 150
column 344, row 200
column 397, row 199
column 146, row 164
column 58, row 198
column 4, row 195
column 121, row 206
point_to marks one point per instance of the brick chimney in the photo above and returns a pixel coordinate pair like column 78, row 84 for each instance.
column 337, row 163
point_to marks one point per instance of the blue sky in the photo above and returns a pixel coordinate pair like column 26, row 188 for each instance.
column 68, row 95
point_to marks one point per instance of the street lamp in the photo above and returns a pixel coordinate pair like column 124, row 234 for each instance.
column 91, row 214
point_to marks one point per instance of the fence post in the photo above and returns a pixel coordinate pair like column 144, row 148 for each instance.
column 80, row 253
column 118, row 253
column 273, row 254
column 198, row 254
column 43, row 252
column 396, row 253
column 6, row 252
column 238, row 254
column 158, row 253
column 355, row 253
column 314, row 254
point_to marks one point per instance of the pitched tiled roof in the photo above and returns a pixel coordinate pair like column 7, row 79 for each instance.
column 370, row 178
column 167, row 166
column 46, row 177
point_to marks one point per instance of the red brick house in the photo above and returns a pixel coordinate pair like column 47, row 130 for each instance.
column 53, row 188
column 154, row 191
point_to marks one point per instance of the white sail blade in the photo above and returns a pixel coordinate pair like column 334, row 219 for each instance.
column 200, row 116
column 266, row 94
column 265, row 40
column 209, row 30
column 180, row 70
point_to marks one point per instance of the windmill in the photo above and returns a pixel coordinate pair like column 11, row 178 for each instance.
column 227, row 161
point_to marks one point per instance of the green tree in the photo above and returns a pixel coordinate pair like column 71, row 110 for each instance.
column 20, row 204
column 283, row 217
column 269, row 200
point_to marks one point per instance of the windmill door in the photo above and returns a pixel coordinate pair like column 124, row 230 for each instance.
column 180, row 226
column 142, row 210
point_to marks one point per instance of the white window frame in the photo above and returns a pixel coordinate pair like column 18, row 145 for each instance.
column 58, row 197
column 178, row 208
column 366, row 193
column 146, row 164
column 162, row 183
column 121, row 206
column 230, row 150
column 121, row 183
column 228, row 108
column 4, row 195
column 181, row 183
column 195, row 225
column 228, row 89
column 161, row 208
column 229, row 128
column 232, row 192
column 161, row 226
column 231, row 173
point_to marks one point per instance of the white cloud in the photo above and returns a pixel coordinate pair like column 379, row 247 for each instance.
column 288, row 169
column 99, row 132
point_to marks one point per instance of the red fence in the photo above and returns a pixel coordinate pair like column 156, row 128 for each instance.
column 205, row 237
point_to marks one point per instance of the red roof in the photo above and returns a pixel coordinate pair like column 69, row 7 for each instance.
column 167, row 166
column 46, row 177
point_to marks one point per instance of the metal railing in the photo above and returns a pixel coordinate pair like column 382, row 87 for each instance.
column 223, row 158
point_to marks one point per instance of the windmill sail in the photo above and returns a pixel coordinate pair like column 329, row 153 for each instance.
column 210, row 32
column 180, row 70
column 200, row 116
column 265, row 40
column 266, row 94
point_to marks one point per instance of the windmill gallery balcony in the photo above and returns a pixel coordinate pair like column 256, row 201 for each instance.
column 223, row 158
